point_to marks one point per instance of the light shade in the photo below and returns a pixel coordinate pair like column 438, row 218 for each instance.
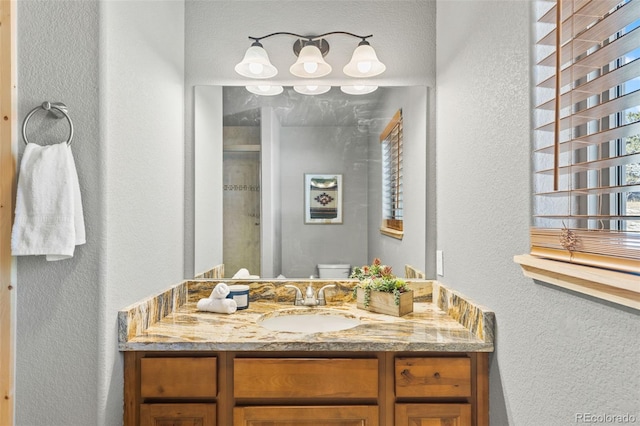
column 358, row 89
column 364, row 62
column 311, row 89
column 310, row 63
column 265, row 90
column 256, row 64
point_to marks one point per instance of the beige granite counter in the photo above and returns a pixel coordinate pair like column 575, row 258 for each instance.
column 443, row 321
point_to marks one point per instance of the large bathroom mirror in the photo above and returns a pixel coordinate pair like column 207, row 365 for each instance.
column 253, row 154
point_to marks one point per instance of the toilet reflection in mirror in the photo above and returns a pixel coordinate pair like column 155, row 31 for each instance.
column 251, row 157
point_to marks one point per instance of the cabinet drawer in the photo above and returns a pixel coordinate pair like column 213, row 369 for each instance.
column 433, row 414
column 305, row 378
column 433, row 377
column 178, row 377
column 177, row 414
column 343, row 415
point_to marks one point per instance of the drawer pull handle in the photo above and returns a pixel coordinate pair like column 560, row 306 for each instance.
column 436, row 375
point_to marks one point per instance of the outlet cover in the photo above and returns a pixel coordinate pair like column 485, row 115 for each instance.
column 439, row 263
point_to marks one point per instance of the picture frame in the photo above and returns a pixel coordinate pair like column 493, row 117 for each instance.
column 323, row 198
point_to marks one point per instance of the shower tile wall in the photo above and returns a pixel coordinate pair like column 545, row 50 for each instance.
column 241, row 212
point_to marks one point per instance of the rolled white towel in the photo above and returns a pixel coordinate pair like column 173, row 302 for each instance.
column 220, row 291
column 221, row 306
column 241, row 274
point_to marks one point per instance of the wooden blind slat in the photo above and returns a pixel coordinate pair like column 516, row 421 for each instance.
column 596, row 138
column 596, row 190
column 581, row 167
column 599, row 111
column 596, row 86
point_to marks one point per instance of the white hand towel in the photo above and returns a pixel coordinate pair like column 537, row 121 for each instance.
column 221, row 306
column 220, row 291
column 243, row 274
column 48, row 216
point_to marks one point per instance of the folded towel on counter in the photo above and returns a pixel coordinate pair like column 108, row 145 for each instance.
column 221, row 306
column 220, row 291
column 243, row 274
column 48, row 216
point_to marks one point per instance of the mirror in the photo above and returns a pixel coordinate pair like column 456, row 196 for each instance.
column 251, row 157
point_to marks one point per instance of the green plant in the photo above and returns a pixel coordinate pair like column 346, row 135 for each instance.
column 378, row 277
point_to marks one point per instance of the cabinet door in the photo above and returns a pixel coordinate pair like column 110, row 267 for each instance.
column 177, row 415
column 433, row 415
column 348, row 415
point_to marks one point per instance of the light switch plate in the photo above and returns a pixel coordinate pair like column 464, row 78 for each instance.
column 439, row 263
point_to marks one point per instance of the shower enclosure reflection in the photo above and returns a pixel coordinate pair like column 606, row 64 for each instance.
column 251, row 156
column 241, row 198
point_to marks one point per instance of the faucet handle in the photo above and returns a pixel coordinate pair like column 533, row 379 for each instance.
column 298, row 301
column 321, row 299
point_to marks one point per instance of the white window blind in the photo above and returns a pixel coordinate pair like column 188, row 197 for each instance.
column 392, row 176
column 587, row 133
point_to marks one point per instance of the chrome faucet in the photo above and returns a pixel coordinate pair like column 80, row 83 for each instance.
column 298, row 301
column 309, row 298
column 321, row 300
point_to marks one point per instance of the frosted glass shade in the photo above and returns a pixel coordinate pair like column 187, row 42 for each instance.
column 265, row 90
column 256, row 64
column 364, row 63
column 310, row 63
column 358, row 90
column 312, row 89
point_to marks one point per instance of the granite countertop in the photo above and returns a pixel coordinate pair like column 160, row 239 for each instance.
column 442, row 321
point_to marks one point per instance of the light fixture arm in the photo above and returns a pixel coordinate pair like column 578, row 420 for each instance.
column 310, row 37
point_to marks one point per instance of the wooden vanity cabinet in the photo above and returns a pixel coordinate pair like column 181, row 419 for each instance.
column 309, row 388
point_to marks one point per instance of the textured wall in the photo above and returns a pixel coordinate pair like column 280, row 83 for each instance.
column 557, row 353
column 142, row 94
column 58, row 302
column 119, row 68
column 344, row 151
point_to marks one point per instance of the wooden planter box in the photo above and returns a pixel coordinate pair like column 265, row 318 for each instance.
column 384, row 303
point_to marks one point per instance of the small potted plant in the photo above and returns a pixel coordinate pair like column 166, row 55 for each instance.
column 380, row 291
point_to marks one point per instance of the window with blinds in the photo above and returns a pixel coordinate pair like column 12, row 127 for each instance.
column 391, row 142
column 587, row 133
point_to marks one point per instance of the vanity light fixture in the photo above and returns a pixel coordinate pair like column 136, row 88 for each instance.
column 265, row 89
column 358, row 89
column 310, row 50
column 311, row 89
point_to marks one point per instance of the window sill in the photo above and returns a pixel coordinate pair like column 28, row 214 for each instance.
column 616, row 287
column 393, row 233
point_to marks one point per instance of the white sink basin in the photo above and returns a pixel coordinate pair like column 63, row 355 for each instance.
column 308, row 321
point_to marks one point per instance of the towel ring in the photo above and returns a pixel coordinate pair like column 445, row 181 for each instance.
column 58, row 109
